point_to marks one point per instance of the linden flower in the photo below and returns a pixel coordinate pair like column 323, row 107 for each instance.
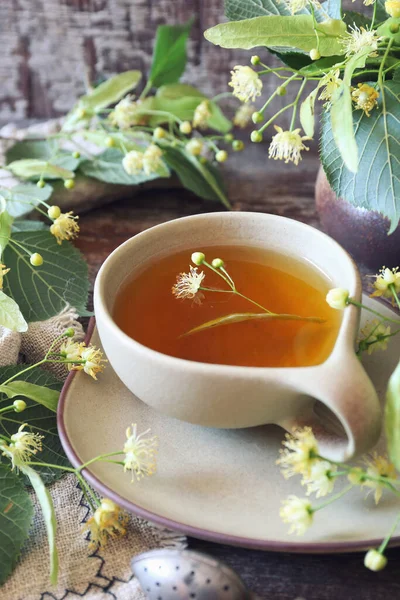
column 392, row 8
column 133, row 162
column 330, row 82
column 299, row 454
column 243, row 114
column 3, row 271
column 246, row 83
column 65, row 227
column 201, row 115
column 298, row 513
column 337, row 298
column 384, row 280
column 71, row 351
column 23, row 444
column 297, row 5
column 378, row 466
column 109, row 520
column 188, row 284
column 376, row 335
column 194, row 146
column 320, row 478
column 140, row 453
column 287, row 145
column 126, row 114
column 93, row 358
column 152, row 159
column 365, row 98
column 360, row 38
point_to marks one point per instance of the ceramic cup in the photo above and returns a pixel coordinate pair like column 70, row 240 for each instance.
column 336, row 397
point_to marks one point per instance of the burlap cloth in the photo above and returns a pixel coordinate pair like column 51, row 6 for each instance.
column 103, row 574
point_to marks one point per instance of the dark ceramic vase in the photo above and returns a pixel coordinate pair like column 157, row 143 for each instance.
column 363, row 233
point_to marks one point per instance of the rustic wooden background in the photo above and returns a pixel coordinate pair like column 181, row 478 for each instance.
column 49, row 47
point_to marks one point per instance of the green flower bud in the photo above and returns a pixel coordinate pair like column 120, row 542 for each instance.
column 374, row 560
column 198, row 258
column 281, row 90
column 315, row 54
column 36, row 259
column 70, row 332
column 394, row 27
column 221, row 156
column 203, row 160
column 255, row 60
column 256, row 136
column 76, row 154
column 257, row 117
column 110, row 142
column 228, row 137
column 19, row 405
column 54, row 212
column 237, row 145
column 69, row 184
column 185, row 127
column 40, row 183
column 159, row 133
column 217, row 263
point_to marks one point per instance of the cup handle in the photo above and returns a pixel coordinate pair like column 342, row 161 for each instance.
column 345, row 413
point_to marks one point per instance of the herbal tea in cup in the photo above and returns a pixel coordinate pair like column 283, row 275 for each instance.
column 245, row 340
column 253, row 308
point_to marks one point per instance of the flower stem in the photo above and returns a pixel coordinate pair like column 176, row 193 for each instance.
column 333, row 498
column 98, row 458
column 374, row 312
column 395, row 296
column 387, row 539
column 296, row 102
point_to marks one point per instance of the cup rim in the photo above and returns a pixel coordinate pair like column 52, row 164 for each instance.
column 100, row 304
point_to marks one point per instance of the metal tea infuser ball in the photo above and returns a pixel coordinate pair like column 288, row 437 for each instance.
column 185, row 575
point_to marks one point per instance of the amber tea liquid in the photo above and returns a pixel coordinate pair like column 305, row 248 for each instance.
column 147, row 311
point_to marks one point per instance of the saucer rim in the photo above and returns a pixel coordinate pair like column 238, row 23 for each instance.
column 190, row 530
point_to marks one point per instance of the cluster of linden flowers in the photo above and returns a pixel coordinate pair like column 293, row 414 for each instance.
column 130, row 113
column 300, row 456
column 376, row 333
column 247, row 85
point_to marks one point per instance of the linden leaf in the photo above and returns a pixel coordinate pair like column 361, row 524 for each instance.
column 22, row 198
column 39, row 393
column 6, row 221
column 28, row 168
column 307, row 113
column 16, row 513
column 10, row 314
column 240, row 317
column 169, row 56
column 236, row 10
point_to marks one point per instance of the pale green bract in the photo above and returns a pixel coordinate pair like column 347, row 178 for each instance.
column 40, row 394
column 11, row 316
column 392, row 417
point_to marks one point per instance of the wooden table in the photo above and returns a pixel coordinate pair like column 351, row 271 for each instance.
column 254, row 184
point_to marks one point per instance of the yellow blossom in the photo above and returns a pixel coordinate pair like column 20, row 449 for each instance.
column 140, row 453
column 127, row 114
column 378, row 466
column 93, row 358
column 375, row 334
column 188, row 284
column 392, row 8
column 80, row 357
column 243, row 114
column 287, row 145
column 320, row 478
column 246, row 83
column 23, row 444
column 109, row 520
column 330, row 83
column 71, row 351
column 365, row 98
column 3, row 271
column 65, row 227
column 194, row 146
column 385, row 281
column 202, row 114
column 297, row 5
column 298, row 513
column 358, row 39
column 152, row 159
column 133, row 162
column 299, row 454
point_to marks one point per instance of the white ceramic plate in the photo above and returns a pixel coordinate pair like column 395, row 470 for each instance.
column 220, row 485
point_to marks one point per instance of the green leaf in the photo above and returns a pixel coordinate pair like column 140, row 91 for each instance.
column 108, row 167
column 110, row 91
column 169, row 55
column 49, row 515
column 6, row 221
column 22, row 198
column 376, row 185
column 11, row 316
column 39, row 393
column 385, row 30
column 241, row 317
column 323, row 64
column 181, row 100
column 237, row 10
column 27, row 225
column 41, row 420
column 307, row 113
column 16, row 513
column 204, row 180
column 34, row 168
column 392, row 417
column 396, row 74
column 295, row 31
column 44, row 150
column 42, row 292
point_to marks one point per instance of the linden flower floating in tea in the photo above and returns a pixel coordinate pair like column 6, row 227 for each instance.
column 189, row 286
column 301, row 456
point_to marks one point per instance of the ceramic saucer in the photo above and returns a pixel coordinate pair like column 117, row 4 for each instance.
column 219, row 485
